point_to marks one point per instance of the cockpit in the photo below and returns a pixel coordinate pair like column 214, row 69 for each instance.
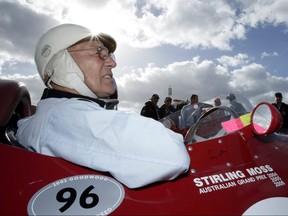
column 214, row 121
column 213, row 124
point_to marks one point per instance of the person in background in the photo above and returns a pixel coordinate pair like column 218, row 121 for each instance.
column 219, row 112
column 217, row 102
column 283, row 109
column 151, row 109
column 166, row 108
column 235, row 105
column 71, row 121
column 188, row 114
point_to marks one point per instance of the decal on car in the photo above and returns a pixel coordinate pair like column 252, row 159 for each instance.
column 226, row 180
column 269, row 206
column 78, row 195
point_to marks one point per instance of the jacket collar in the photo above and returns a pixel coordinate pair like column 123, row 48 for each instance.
column 52, row 93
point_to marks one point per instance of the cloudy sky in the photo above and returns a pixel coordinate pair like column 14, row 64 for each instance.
column 193, row 46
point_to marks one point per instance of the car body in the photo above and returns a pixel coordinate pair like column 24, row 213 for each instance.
column 242, row 170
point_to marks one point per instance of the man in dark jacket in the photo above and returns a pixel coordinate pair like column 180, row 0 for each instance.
column 150, row 109
column 283, row 109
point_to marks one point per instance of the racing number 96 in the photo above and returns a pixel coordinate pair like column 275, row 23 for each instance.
column 68, row 196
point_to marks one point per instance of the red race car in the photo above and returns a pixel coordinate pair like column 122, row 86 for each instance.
column 239, row 166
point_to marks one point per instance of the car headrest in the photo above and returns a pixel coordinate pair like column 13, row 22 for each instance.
column 14, row 98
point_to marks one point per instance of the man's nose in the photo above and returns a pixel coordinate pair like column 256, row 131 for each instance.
column 111, row 62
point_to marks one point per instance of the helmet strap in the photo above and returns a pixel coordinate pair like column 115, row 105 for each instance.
column 66, row 73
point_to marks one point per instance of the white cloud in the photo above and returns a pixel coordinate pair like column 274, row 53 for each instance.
column 234, row 61
column 265, row 54
column 188, row 24
column 184, row 23
column 20, row 28
column 204, row 78
column 263, row 12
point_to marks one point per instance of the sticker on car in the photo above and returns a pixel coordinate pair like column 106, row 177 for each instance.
column 78, row 195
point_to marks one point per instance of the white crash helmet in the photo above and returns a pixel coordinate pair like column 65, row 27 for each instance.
column 54, row 43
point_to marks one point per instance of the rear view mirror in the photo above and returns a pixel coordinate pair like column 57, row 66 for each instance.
column 265, row 119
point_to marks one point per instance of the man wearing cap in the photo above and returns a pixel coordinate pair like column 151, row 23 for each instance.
column 235, row 105
column 283, row 109
column 151, row 109
column 71, row 121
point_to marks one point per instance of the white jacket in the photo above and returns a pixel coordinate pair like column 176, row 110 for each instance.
column 136, row 150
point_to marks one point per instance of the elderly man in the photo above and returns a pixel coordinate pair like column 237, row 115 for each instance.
column 71, row 121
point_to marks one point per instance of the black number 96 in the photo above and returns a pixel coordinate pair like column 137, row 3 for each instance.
column 68, row 196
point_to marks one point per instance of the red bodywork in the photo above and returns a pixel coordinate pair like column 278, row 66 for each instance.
column 207, row 188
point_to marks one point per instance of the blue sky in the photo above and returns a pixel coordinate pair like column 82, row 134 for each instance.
column 195, row 46
column 270, row 40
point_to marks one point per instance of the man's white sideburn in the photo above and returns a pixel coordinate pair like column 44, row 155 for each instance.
column 65, row 72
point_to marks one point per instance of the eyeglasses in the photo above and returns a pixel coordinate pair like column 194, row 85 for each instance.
column 101, row 51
